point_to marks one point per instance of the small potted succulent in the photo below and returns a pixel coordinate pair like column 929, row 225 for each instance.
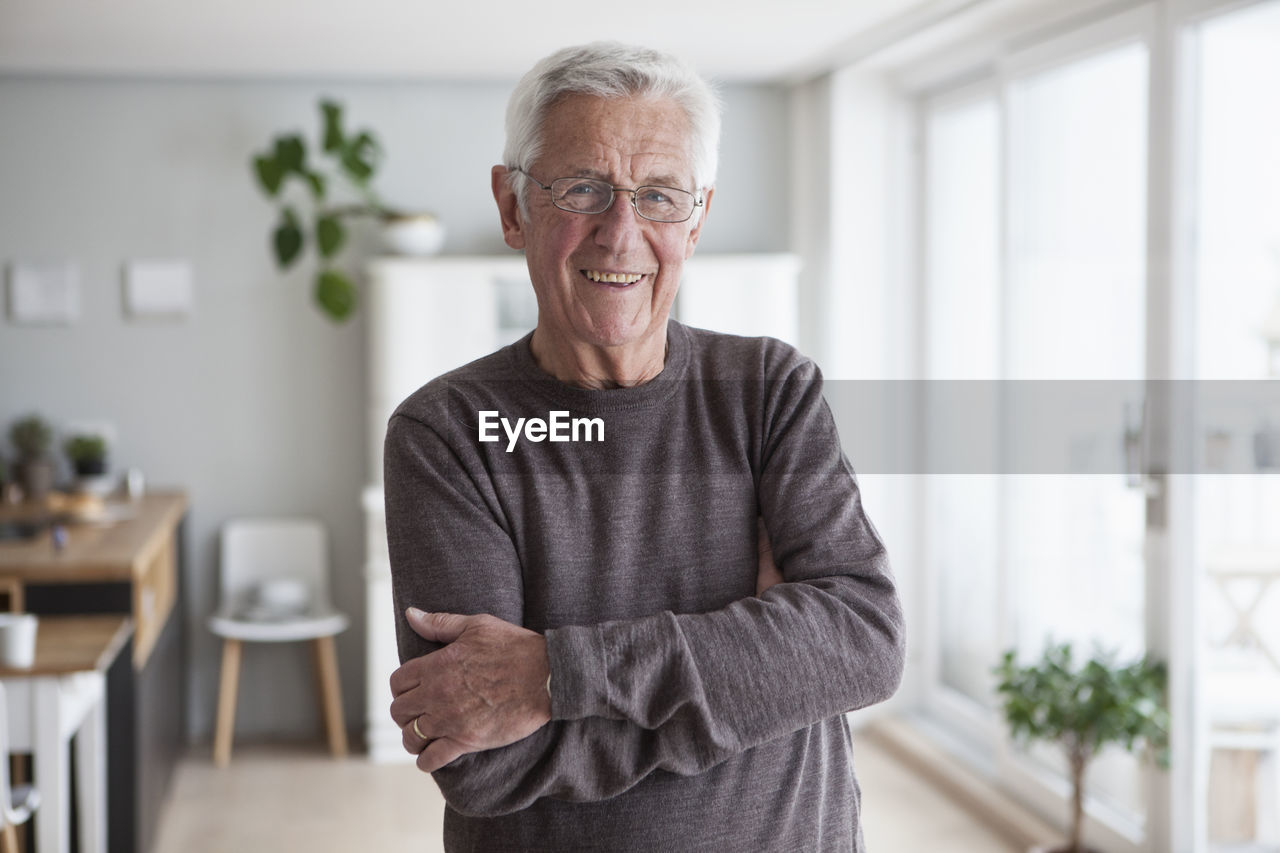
column 88, row 454
column 353, row 158
column 31, row 437
column 1084, row 709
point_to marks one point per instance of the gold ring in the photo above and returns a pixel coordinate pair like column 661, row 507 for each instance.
column 417, row 731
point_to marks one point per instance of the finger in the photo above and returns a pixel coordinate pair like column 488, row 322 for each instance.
column 405, row 708
column 411, row 742
column 439, row 753
column 767, row 573
column 410, row 679
column 436, row 627
column 406, row 677
column 762, row 536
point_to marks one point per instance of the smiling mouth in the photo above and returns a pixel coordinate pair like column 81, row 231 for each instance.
column 617, row 279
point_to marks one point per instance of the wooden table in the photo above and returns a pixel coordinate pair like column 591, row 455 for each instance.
column 133, row 541
column 61, row 696
column 127, row 565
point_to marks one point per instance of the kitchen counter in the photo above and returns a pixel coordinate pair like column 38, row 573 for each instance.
column 129, row 542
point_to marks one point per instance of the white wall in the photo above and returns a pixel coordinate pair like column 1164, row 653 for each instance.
column 255, row 404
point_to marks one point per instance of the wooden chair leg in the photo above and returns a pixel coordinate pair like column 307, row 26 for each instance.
column 229, row 683
column 9, row 839
column 331, row 694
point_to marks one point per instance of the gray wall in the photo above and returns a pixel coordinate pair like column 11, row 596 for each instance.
column 255, row 403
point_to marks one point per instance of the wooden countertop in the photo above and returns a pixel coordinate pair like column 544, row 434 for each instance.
column 66, row 644
column 118, row 548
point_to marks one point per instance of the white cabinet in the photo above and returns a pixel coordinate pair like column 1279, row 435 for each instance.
column 427, row 316
column 749, row 295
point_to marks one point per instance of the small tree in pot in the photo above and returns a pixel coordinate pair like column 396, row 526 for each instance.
column 88, row 454
column 32, row 436
column 1085, row 709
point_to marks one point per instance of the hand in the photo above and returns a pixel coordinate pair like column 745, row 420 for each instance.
column 486, row 688
column 767, row 574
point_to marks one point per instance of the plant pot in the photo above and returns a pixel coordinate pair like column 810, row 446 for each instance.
column 98, row 484
column 36, row 477
column 91, row 467
column 412, row 233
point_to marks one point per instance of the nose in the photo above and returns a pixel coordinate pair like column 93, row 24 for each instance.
column 619, row 228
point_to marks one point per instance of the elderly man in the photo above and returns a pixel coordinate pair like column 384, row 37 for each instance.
column 599, row 650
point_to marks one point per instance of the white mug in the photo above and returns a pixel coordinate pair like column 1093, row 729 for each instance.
column 17, row 640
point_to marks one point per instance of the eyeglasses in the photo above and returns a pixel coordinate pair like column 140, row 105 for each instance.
column 588, row 195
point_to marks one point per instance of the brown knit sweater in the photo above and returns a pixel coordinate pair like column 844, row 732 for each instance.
column 688, row 714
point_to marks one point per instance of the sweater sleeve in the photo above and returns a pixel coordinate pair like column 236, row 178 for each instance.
column 672, row 692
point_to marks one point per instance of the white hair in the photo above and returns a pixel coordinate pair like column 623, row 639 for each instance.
column 609, row 70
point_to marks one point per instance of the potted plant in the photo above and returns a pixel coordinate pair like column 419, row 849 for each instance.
column 353, row 158
column 31, row 437
column 1083, row 710
column 88, row 454
column 10, row 490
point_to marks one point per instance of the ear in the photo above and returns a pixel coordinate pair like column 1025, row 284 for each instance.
column 508, row 208
column 702, row 218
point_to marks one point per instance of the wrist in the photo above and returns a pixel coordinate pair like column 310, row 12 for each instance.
column 542, row 699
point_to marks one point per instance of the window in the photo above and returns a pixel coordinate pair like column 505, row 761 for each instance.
column 1099, row 203
column 1034, row 272
column 1237, row 294
column 962, row 168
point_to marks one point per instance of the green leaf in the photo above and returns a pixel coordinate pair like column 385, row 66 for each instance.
column 359, row 158
column 288, row 238
column 335, row 294
column 330, row 235
column 317, row 182
column 333, row 139
column 1085, row 708
column 291, row 153
column 270, row 174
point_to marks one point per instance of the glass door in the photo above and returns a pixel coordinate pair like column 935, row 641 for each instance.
column 1236, row 280
column 1075, row 304
column 1034, row 271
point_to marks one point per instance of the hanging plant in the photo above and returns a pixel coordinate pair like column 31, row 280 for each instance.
column 353, row 159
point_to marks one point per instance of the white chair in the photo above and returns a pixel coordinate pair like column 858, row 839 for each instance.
column 275, row 588
column 17, row 802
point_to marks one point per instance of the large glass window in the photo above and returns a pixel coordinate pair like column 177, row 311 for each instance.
column 1045, row 257
column 962, row 173
column 1034, row 272
column 1076, row 311
column 1237, row 299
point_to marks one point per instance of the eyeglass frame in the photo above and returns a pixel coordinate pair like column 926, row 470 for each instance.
column 697, row 198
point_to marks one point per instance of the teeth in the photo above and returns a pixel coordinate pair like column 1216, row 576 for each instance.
column 613, row 277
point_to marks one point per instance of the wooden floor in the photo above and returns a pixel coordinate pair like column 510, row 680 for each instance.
column 298, row 799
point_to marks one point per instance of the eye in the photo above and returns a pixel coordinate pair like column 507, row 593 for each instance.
column 655, row 195
column 583, row 188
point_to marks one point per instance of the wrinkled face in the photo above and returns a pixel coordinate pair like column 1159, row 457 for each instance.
column 608, row 279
